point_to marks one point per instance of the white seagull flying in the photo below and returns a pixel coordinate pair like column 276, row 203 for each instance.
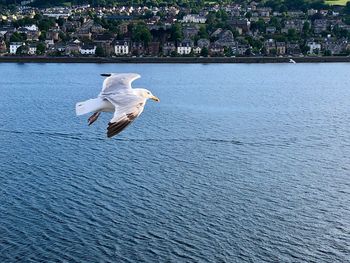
column 117, row 96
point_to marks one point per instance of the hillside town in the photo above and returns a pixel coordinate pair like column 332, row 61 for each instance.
column 250, row 28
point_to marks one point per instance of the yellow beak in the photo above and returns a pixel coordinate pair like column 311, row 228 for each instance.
column 155, row 98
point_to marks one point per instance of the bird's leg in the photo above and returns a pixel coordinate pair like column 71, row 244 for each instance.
column 93, row 117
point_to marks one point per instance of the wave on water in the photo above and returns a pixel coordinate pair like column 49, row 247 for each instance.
column 82, row 136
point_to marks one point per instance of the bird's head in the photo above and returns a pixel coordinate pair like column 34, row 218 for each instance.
column 144, row 93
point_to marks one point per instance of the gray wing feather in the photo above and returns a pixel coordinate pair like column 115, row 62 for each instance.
column 118, row 83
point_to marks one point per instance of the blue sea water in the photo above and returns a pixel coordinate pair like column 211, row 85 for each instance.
column 237, row 163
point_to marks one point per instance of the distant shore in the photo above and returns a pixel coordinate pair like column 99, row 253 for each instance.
column 15, row 59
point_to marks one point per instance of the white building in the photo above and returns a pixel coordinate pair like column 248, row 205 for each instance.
column 185, row 47
column 32, row 50
column 121, row 47
column 87, row 50
column 315, row 48
column 49, row 42
column 14, row 46
column 191, row 18
column 197, row 50
column 32, row 28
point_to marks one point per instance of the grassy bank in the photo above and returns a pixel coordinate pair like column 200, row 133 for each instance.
column 336, row 2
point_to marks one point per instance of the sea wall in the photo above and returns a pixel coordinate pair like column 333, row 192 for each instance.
column 17, row 59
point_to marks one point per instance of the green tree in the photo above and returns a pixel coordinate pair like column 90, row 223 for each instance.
column 141, row 33
column 176, row 32
column 16, row 37
column 258, row 25
column 22, row 50
column 99, row 52
column 46, row 24
column 173, row 54
column 306, row 27
column 292, row 35
column 42, row 36
column 40, row 49
column 346, row 9
column 204, row 52
column 304, row 48
column 228, row 52
column 248, row 52
column 38, row 17
column 327, row 53
column 203, row 32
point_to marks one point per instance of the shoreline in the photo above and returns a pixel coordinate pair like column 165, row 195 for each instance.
column 172, row 60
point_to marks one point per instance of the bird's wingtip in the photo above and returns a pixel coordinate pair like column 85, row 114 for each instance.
column 106, row 74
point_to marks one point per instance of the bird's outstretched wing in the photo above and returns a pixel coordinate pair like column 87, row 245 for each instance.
column 118, row 83
column 127, row 108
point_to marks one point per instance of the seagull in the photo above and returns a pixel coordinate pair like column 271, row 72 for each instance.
column 119, row 97
column 292, row 61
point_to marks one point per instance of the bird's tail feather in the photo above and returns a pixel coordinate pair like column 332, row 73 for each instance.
column 87, row 106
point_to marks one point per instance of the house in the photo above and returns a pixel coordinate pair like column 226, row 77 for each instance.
column 314, row 48
column 70, row 26
column 296, row 24
column 320, row 25
column 271, row 30
column 57, row 12
column 197, row 50
column 97, row 29
column 241, row 49
column 336, row 47
column 14, row 46
column 216, row 33
column 153, row 48
column 169, row 21
column 5, row 29
column 105, row 41
column 33, row 35
column 52, row 34
column 60, row 47
column 225, row 39
column 193, row 18
column 32, row 27
column 190, row 31
column 121, row 47
column 119, row 17
column 87, row 49
column 293, row 49
column 123, row 28
column 239, row 23
column 168, row 48
column 49, row 42
column 72, row 48
column 203, row 42
column 270, row 46
column 83, row 33
column 311, row 12
column 280, row 48
column 216, row 50
column 137, row 48
column 295, row 13
column 32, row 49
column 264, row 11
column 3, row 47
column 185, row 47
